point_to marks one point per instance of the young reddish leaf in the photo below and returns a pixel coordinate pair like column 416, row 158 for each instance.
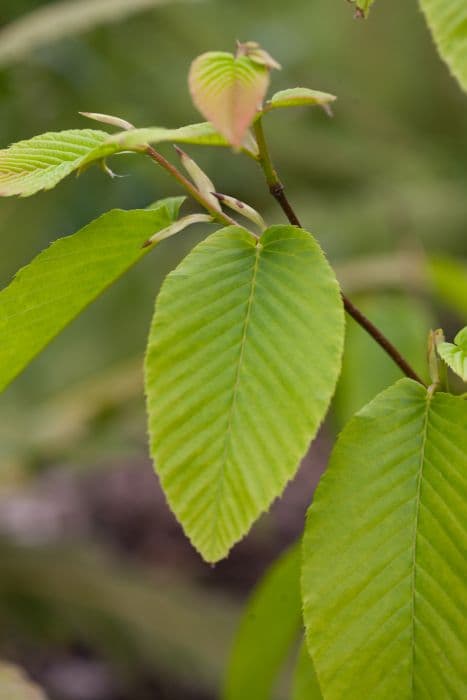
column 228, row 91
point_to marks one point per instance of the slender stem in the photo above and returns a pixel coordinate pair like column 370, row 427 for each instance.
column 277, row 190
column 189, row 187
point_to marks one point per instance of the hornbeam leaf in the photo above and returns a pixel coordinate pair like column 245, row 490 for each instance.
column 228, row 91
column 14, row 685
column 243, row 357
column 384, row 568
column 46, row 295
column 447, row 20
column 296, row 97
column 41, row 162
column 305, row 683
column 455, row 354
column 261, row 648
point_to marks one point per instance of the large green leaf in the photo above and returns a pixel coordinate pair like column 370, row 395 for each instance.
column 270, row 625
column 228, row 91
column 15, row 686
column 384, row 567
column 455, row 354
column 366, row 369
column 305, row 683
column 41, row 162
column 447, row 20
column 65, row 278
column 243, row 357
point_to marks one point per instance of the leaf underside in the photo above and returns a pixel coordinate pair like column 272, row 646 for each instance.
column 270, row 624
column 243, row 356
column 41, row 162
column 447, row 20
column 46, row 295
column 228, row 91
column 384, row 568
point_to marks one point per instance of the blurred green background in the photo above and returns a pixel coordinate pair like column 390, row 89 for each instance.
column 101, row 598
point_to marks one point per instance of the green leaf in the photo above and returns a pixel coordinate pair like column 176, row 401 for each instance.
column 261, row 646
column 46, row 295
column 455, row 354
column 41, row 162
column 384, row 568
column 243, row 356
column 305, row 682
column 203, row 134
column 447, row 20
column 366, row 370
column 15, row 686
column 228, row 91
column 296, row 97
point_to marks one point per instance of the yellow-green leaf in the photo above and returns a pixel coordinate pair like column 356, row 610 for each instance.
column 384, row 567
column 243, row 357
column 455, row 354
column 447, row 20
column 41, row 162
column 46, row 295
column 270, row 625
column 297, row 97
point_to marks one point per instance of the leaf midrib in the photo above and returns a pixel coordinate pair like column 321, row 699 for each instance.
column 228, row 434
column 429, row 398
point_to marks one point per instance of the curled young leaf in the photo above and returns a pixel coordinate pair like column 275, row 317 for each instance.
column 455, row 354
column 108, row 119
column 258, row 55
column 202, row 181
column 228, row 90
column 176, row 227
column 242, row 208
column 298, row 97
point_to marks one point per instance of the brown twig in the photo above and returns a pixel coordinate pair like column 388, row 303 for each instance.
column 189, row 187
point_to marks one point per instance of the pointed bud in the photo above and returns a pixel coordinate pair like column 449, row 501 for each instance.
column 178, row 226
column 108, row 119
column 199, row 177
column 256, row 54
column 242, row 208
